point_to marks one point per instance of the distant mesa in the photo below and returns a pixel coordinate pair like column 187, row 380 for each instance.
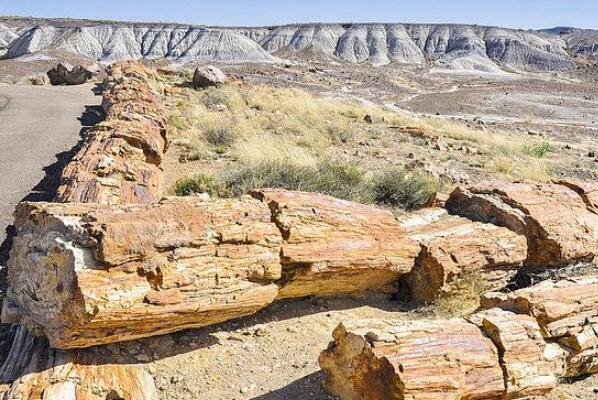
column 450, row 47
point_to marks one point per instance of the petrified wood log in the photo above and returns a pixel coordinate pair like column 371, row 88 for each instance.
column 559, row 225
column 455, row 251
column 37, row 371
column 333, row 247
column 119, row 161
column 567, row 313
column 530, row 365
column 424, row 360
column 88, row 274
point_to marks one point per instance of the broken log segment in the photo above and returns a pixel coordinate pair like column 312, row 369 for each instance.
column 85, row 274
column 333, row 247
column 49, row 374
column 567, row 313
column 455, row 252
column 559, row 227
column 396, row 360
column 119, row 160
column 531, row 366
column 521, row 346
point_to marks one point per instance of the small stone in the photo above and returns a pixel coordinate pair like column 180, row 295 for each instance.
column 369, row 119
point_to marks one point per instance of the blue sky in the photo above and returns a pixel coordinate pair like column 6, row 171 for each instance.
column 511, row 13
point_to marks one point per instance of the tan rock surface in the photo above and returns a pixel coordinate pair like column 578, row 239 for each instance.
column 89, row 274
column 456, row 251
column 567, row 313
column 333, row 247
column 119, row 161
column 530, row 366
column 559, row 227
column 426, row 360
column 50, row 374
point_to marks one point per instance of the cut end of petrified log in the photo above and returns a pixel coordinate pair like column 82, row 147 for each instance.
column 457, row 253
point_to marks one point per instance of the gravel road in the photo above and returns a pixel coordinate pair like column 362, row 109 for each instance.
column 38, row 127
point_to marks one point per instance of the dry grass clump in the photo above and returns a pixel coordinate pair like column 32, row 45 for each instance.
column 407, row 190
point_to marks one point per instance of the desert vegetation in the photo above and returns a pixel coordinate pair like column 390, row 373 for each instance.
column 240, row 136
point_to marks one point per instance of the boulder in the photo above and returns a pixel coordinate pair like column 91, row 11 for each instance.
column 208, row 75
column 88, row 274
column 560, row 226
column 333, row 247
column 457, row 253
column 66, row 74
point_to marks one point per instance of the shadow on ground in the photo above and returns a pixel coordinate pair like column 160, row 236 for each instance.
column 307, row 388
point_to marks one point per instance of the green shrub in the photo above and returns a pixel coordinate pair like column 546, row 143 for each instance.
column 539, row 150
column 408, row 190
column 335, row 178
column 200, row 183
column 226, row 95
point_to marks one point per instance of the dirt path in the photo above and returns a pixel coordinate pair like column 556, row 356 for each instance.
column 38, row 126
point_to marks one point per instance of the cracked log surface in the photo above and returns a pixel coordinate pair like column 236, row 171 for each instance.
column 560, row 227
column 86, row 275
column 333, row 247
column 455, row 250
column 516, row 349
column 431, row 360
column 119, row 161
column 567, row 312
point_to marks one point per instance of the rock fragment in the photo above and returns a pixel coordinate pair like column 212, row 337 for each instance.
column 66, row 74
column 208, row 75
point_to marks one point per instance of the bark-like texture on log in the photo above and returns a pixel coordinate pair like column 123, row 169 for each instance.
column 119, row 161
column 559, row 226
column 87, row 274
column 334, row 247
column 455, row 251
column 530, row 366
column 567, row 312
column 37, row 371
column 424, row 360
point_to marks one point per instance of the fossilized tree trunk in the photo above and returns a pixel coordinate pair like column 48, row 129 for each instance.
column 457, row 253
column 518, row 349
column 567, row 312
column 560, row 227
column 333, row 247
column 118, row 163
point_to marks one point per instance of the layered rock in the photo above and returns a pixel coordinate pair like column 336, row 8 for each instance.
column 531, row 367
column 516, row 349
column 66, row 74
column 567, row 312
column 37, row 371
column 454, row 47
column 119, row 161
column 388, row 360
column 457, row 253
column 560, row 227
column 85, row 274
column 334, row 247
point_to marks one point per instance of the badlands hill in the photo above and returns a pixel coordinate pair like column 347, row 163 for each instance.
column 455, row 47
